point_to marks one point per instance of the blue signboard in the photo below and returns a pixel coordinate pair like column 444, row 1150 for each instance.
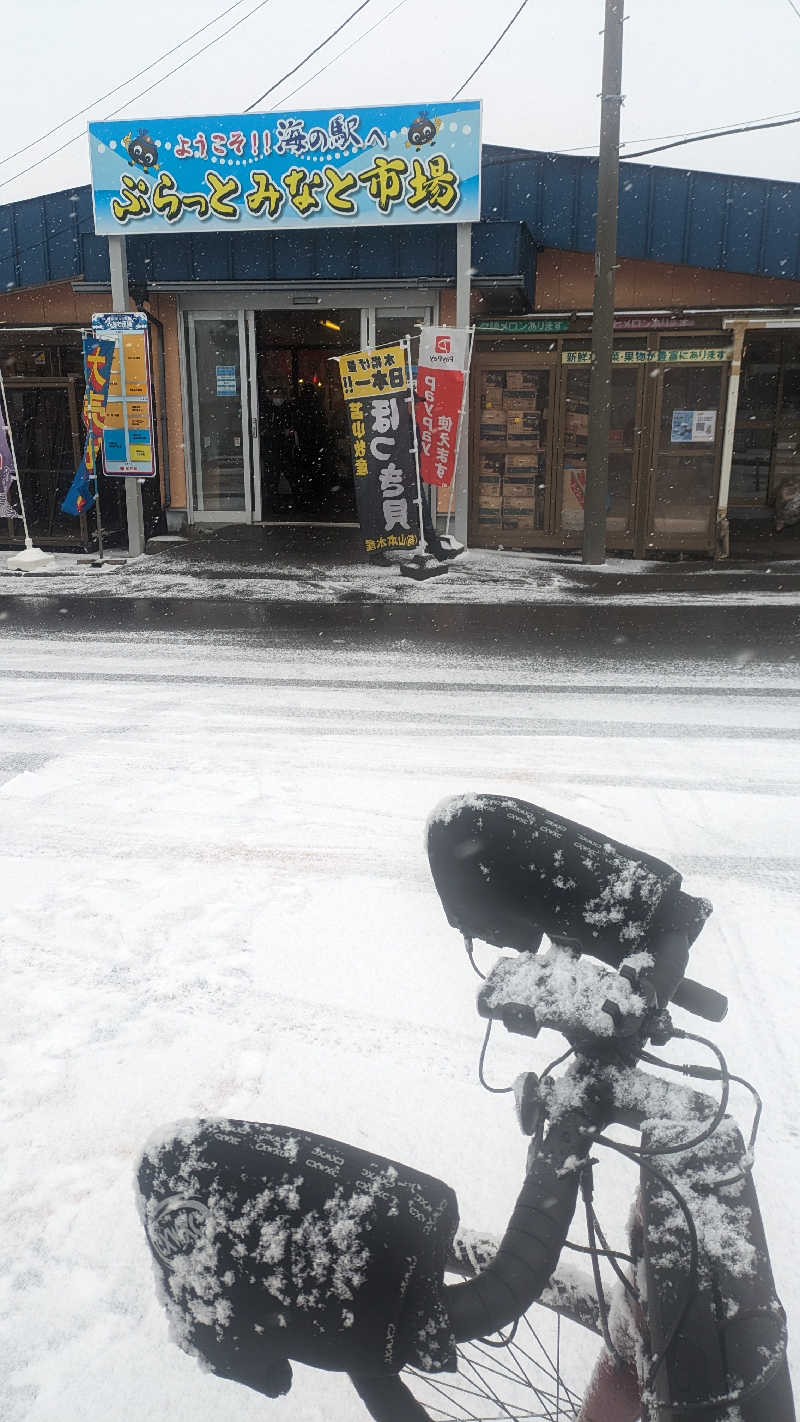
column 255, row 172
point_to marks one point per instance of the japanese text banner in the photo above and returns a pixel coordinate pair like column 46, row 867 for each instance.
column 382, row 436
column 317, row 168
column 97, row 358
column 441, row 376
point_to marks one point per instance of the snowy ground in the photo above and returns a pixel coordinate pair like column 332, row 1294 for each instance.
column 477, row 576
column 216, row 901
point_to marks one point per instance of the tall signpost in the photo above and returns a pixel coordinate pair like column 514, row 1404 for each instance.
column 605, row 261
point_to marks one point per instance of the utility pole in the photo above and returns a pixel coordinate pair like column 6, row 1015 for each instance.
column 605, row 262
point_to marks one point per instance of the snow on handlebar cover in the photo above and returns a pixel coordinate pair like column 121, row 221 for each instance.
column 509, row 872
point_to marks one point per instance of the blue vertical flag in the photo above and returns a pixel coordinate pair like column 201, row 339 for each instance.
column 97, row 358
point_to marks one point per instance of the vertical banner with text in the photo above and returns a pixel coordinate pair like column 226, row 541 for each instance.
column 377, row 390
column 97, row 358
column 442, row 371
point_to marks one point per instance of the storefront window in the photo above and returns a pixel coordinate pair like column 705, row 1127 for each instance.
column 687, row 448
column 622, row 435
column 512, row 441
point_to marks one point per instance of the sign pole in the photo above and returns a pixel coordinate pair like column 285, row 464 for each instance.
column 423, row 546
column 463, row 289
column 462, row 420
column 120, row 301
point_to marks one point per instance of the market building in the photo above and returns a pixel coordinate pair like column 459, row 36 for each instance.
column 249, row 420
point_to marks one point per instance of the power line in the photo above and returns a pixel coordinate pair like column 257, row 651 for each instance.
column 492, row 50
column 286, row 97
column 310, row 55
column 792, row 6
column 703, row 138
column 260, row 6
column 102, row 97
column 688, row 137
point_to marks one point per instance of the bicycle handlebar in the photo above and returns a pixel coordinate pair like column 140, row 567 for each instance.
column 534, row 1238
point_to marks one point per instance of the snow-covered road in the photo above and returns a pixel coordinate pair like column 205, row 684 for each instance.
column 216, row 900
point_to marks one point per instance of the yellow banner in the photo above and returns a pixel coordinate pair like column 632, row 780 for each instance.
column 366, row 374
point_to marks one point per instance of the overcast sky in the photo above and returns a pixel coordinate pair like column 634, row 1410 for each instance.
column 688, row 65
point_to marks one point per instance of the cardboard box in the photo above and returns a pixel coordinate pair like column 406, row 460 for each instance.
column 518, row 465
column 577, row 423
column 524, row 429
column 519, row 400
column 492, row 388
column 493, row 427
column 524, row 379
column 491, row 466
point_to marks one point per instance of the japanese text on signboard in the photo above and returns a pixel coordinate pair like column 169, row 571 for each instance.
column 376, row 387
column 323, row 169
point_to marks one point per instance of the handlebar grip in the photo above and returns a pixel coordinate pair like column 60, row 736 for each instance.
column 702, row 1001
column 532, row 1243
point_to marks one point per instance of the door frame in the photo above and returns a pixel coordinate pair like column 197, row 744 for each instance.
column 194, row 474
column 206, row 304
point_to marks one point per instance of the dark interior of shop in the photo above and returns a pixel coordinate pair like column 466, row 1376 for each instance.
column 306, row 466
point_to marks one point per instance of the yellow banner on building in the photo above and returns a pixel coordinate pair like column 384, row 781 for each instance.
column 379, row 372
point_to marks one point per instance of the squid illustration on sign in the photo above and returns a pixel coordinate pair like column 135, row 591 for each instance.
column 423, row 130
column 141, row 150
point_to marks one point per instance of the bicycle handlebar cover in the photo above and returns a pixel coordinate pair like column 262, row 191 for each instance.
column 508, row 872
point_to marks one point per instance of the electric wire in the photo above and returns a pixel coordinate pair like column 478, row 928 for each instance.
column 339, row 54
column 242, row 20
column 704, row 138
column 123, row 85
column 793, row 7
column 310, row 55
column 689, row 135
column 491, row 51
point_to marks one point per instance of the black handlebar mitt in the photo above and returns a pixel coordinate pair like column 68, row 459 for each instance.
column 272, row 1244
column 508, row 872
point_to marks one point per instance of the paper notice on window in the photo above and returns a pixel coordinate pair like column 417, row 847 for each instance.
column 694, row 426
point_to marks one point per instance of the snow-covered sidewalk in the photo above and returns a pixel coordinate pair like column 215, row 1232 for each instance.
column 477, row 576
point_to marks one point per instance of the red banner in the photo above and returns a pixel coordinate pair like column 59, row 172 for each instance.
column 441, row 373
column 440, row 394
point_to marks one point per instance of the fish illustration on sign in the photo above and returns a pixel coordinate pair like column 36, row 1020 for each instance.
column 142, row 151
column 423, row 130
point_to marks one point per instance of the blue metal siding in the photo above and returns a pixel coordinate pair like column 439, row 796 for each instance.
column 746, row 225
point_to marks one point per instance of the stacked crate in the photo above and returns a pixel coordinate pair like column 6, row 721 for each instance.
column 511, row 444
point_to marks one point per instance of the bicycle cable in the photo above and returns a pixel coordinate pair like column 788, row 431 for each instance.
column 694, row 1247
column 710, row 1074
column 471, row 956
column 587, row 1191
column 496, row 1090
column 716, row 1119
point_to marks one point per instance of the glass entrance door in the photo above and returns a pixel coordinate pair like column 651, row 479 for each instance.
column 220, row 416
